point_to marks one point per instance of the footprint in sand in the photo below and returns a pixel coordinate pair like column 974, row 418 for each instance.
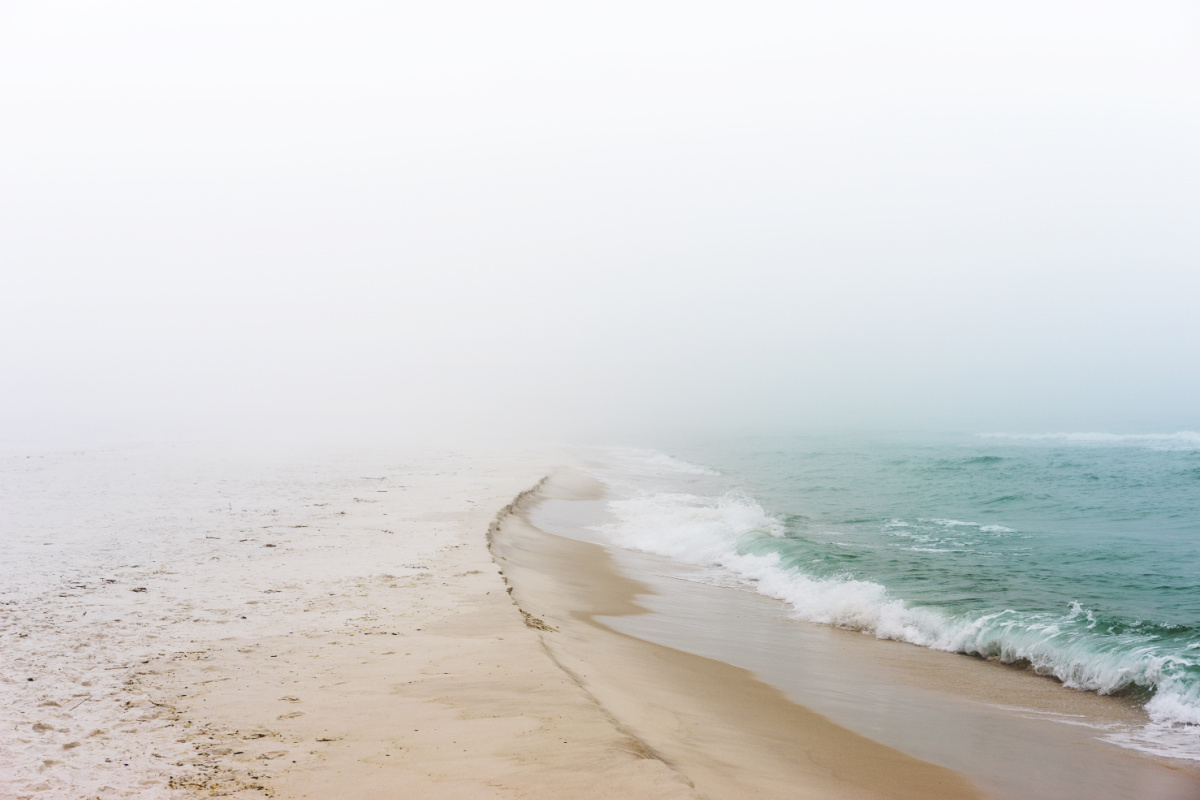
column 291, row 715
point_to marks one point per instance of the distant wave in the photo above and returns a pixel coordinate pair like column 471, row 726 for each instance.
column 644, row 460
column 1083, row 652
column 1186, row 439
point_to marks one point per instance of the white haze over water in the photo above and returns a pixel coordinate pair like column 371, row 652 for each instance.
column 320, row 219
column 1186, row 440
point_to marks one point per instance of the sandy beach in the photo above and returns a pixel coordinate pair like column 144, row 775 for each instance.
column 337, row 627
column 373, row 624
column 560, row 401
column 328, row 628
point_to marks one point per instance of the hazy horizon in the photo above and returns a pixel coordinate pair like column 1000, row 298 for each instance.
column 597, row 221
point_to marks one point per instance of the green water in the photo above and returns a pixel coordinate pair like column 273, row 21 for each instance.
column 1078, row 555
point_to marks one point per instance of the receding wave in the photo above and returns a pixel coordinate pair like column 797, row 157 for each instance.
column 1078, row 647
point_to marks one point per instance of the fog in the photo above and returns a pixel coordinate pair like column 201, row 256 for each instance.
column 597, row 220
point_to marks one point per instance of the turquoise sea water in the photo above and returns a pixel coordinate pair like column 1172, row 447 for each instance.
column 1076, row 554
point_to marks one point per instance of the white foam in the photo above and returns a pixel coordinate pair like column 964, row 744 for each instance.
column 979, row 526
column 952, row 523
column 706, row 531
column 1162, row 739
column 694, row 529
column 719, row 531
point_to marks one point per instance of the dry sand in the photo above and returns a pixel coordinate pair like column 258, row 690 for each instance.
column 336, row 627
column 421, row 680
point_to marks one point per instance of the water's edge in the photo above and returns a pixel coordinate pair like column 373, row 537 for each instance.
column 921, row 701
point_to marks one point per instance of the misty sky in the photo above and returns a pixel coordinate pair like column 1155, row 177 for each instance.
column 597, row 219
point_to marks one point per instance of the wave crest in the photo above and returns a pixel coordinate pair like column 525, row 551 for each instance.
column 734, row 532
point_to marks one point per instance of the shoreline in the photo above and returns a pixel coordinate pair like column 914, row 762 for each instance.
column 731, row 734
column 446, row 695
column 1012, row 734
column 372, row 625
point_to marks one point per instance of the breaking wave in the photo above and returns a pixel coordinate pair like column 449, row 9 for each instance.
column 1080, row 648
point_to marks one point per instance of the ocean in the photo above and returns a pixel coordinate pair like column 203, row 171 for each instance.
column 1075, row 556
